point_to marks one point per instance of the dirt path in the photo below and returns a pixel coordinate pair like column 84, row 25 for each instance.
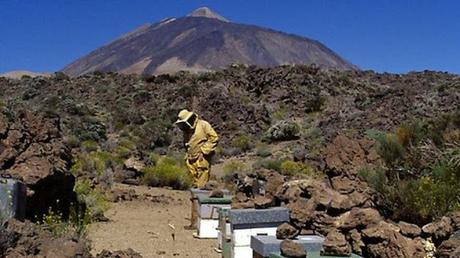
column 143, row 226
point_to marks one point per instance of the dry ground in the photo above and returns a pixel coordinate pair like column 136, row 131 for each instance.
column 143, row 225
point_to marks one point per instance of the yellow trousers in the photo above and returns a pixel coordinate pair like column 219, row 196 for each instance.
column 200, row 170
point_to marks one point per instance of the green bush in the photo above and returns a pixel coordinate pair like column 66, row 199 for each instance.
column 167, row 172
column 269, row 163
column 281, row 113
column 89, row 146
column 283, row 131
column 388, row 147
column 263, row 150
column 421, row 179
column 153, row 158
column 72, row 141
column 234, row 166
column 242, row 142
column 94, row 199
column 291, row 168
column 55, row 223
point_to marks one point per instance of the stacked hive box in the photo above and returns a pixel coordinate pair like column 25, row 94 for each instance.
column 223, row 234
column 262, row 246
column 12, row 199
column 245, row 223
column 313, row 255
column 208, row 214
column 195, row 192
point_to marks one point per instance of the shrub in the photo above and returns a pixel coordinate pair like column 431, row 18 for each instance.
column 167, row 173
column 242, row 142
column 125, row 148
column 430, row 187
column 55, row 223
column 263, row 150
column 141, row 97
column 60, row 76
column 93, row 198
column 434, row 198
column 269, row 163
column 234, row 166
column 89, row 146
column 388, row 147
column 283, row 131
column 153, row 158
column 375, row 178
column 280, row 114
column 58, row 226
column 72, row 141
column 291, row 168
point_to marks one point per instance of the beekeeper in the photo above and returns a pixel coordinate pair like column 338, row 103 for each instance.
column 200, row 141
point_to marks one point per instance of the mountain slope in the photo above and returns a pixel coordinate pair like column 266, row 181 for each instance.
column 19, row 74
column 203, row 41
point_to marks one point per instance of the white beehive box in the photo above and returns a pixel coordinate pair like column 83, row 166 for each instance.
column 208, row 214
column 12, row 199
column 245, row 223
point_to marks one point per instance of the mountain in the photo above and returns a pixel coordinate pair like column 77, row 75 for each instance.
column 203, row 41
column 19, row 74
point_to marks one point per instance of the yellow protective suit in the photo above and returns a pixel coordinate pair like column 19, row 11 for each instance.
column 200, row 142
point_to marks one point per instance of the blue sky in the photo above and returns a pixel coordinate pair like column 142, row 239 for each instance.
column 386, row 35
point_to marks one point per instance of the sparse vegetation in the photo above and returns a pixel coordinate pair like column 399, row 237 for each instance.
column 420, row 180
column 263, row 150
column 167, row 172
column 108, row 119
column 235, row 166
column 292, row 168
column 283, row 131
column 269, row 163
column 93, row 198
column 242, row 143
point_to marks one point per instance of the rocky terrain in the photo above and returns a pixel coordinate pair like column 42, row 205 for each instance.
column 202, row 41
column 371, row 161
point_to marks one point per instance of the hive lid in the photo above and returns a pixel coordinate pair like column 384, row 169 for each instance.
column 258, row 216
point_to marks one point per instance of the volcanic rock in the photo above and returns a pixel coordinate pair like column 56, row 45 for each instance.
column 128, row 253
column 356, row 241
column 217, row 193
column 380, row 231
column 134, row 164
column 455, row 217
column 335, row 244
column 211, row 185
column 343, row 184
column 241, row 201
column 301, row 211
column 262, row 202
column 439, row 230
column 324, row 223
column 299, row 155
column 274, row 182
column 385, row 240
column 449, row 247
column 291, row 249
column 409, row 230
column 32, row 150
column 286, row 231
column 358, row 218
column 123, row 195
column 345, row 156
column 29, row 240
